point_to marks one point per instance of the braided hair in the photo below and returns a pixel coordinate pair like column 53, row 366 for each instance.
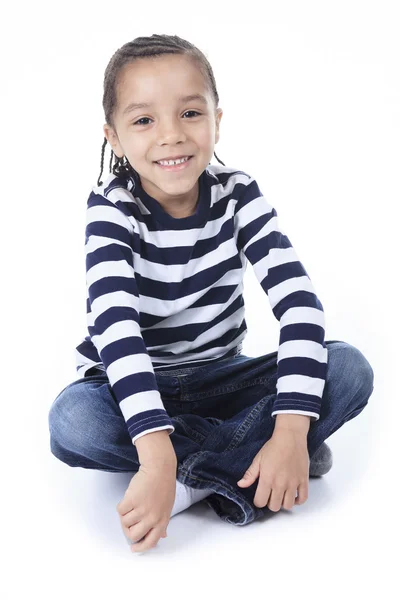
column 155, row 45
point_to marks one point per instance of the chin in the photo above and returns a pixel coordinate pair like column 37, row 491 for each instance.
column 178, row 188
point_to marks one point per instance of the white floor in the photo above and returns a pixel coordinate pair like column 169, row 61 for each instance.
column 311, row 97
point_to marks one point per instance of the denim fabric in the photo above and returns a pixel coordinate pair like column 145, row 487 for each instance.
column 222, row 417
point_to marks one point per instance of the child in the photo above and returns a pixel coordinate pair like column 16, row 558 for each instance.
column 164, row 389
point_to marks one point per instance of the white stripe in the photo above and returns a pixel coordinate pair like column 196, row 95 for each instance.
column 128, row 365
column 296, row 412
column 252, row 211
column 139, row 402
column 119, row 195
column 97, row 241
column 283, row 289
column 142, row 433
column 303, row 314
column 115, row 332
column 106, row 301
column 303, row 384
column 108, row 268
column 303, row 348
column 110, row 214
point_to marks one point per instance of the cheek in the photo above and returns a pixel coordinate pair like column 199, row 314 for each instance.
column 137, row 148
column 206, row 137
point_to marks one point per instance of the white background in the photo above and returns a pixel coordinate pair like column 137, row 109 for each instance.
column 311, row 97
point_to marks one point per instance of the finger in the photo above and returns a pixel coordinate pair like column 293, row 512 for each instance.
column 262, row 495
column 131, row 535
column 131, row 518
column 303, row 493
column 128, row 521
column 275, row 502
column 289, row 498
column 125, row 505
column 130, row 542
column 138, row 531
column 150, row 541
column 250, row 475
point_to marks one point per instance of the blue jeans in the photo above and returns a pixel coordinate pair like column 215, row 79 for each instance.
column 222, row 417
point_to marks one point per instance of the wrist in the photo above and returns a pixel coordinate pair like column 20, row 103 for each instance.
column 300, row 423
column 156, row 447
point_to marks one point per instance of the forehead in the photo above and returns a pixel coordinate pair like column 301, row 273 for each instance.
column 157, row 80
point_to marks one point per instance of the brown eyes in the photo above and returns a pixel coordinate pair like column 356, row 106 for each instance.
column 139, row 122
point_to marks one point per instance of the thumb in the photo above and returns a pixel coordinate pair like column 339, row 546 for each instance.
column 250, row 476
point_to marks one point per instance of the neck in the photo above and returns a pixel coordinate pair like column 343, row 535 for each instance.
column 178, row 206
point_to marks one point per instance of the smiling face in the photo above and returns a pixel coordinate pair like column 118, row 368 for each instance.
column 171, row 125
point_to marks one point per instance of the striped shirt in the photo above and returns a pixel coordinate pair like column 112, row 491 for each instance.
column 166, row 292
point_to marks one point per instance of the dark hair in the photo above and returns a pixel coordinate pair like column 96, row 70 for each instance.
column 141, row 47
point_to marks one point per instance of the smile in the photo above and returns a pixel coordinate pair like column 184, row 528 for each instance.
column 175, row 165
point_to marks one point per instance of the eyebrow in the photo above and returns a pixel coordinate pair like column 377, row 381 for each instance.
column 134, row 105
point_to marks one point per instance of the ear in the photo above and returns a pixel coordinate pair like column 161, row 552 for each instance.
column 113, row 140
column 218, row 117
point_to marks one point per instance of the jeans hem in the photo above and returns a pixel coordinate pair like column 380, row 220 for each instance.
column 229, row 505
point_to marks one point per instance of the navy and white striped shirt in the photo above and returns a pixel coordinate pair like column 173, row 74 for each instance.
column 166, row 292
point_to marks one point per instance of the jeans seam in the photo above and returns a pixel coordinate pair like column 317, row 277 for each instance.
column 243, row 428
column 199, row 437
column 221, row 390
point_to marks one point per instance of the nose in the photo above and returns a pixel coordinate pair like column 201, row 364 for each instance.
column 171, row 132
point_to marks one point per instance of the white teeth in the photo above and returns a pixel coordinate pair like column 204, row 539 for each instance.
column 173, row 162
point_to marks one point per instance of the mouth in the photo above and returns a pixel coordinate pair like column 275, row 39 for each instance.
column 177, row 167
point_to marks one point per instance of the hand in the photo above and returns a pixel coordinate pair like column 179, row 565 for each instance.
column 283, row 467
column 146, row 507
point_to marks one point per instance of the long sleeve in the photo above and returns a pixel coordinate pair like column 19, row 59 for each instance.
column 113, row 317
column 302, row 354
